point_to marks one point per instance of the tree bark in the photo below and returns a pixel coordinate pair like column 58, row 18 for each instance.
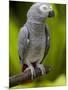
column 26, row 76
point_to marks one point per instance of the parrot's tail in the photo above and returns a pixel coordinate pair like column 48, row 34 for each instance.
column 24, row 66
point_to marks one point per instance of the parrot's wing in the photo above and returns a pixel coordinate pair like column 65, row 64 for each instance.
column 47, row 35
column 22, row 42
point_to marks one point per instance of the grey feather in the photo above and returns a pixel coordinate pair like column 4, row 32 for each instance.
column 37, row 32
column 47, row 34
column 22, row 42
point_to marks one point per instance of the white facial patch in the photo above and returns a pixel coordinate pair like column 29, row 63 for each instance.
column 43, row 8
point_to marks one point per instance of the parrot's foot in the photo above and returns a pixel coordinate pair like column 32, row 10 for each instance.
column 41, row 66
column 32, row 71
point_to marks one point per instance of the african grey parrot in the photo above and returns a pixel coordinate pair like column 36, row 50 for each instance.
column 33, row 41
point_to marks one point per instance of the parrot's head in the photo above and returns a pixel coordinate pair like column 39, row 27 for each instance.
column 40, row 11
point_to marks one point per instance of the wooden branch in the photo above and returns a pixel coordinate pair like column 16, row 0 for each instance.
column 25, row 76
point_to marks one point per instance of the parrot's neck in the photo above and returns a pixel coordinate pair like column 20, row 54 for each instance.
column 36, row 26
column 35, row 20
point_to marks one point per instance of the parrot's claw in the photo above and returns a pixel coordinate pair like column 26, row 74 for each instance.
column 41, row 66
column 32, row 71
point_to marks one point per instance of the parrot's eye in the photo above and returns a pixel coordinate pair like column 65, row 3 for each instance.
column 43, row 8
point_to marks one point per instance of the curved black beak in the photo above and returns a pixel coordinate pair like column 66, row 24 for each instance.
column 51, row 14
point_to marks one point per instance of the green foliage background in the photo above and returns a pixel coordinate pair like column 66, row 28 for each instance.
column 57, row 52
